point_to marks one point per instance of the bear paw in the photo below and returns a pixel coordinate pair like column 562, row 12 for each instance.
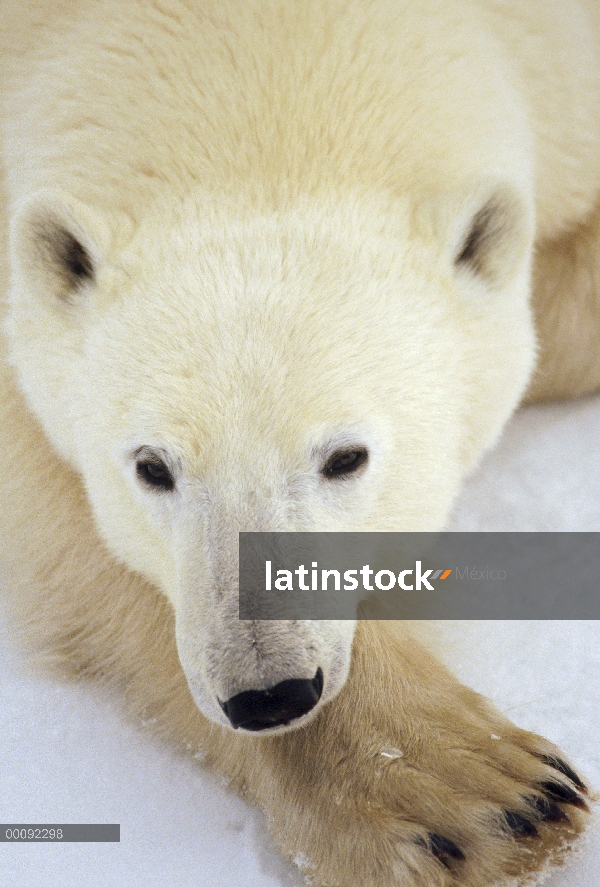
column 410, row 779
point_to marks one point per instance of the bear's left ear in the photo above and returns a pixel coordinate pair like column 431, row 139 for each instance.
column 488, row 232
column 57, row 245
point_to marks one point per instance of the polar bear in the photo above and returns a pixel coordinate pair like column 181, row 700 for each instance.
column 288, row 265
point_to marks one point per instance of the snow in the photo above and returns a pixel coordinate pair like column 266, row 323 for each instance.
column 69, row 754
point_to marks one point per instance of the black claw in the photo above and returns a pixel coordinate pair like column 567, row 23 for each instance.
column 564, row 768
column 557, row 791
column 444, row 849
column 519, row 825
column 548, row 811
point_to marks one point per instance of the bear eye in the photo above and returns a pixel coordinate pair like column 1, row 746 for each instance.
column 345, row 462
column 155, row 474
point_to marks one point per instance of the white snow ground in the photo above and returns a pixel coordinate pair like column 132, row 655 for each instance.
column 67, row 754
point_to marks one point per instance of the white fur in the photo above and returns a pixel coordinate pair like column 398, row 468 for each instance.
column 274, row 229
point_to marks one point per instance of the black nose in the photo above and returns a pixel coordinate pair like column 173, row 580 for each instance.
column 261, row 709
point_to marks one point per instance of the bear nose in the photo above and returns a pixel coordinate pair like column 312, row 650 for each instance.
column 280, row 704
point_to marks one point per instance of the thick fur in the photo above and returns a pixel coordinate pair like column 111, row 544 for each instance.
column 249, row 234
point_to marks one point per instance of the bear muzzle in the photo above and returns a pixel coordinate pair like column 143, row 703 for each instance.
column 275, row 707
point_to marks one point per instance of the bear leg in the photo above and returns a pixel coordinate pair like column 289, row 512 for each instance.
column 410, row 779
column 566, row 305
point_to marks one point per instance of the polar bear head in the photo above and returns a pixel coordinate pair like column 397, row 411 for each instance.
column 335, row 364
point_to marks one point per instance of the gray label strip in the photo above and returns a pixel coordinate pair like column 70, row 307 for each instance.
column 56, row 834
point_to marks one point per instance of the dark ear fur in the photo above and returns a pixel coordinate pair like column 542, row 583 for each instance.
column 483, row 228
column 496, row 239
column 71, row 260
column 56, row 245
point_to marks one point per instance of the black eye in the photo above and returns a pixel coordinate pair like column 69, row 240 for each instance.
column 156, row 474
column 345, row 462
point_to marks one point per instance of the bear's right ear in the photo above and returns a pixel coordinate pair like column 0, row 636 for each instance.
column 57, row 245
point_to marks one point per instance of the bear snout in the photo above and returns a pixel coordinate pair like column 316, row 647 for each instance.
column 277, row 706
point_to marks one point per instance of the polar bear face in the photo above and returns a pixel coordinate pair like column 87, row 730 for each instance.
column 334, row 365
